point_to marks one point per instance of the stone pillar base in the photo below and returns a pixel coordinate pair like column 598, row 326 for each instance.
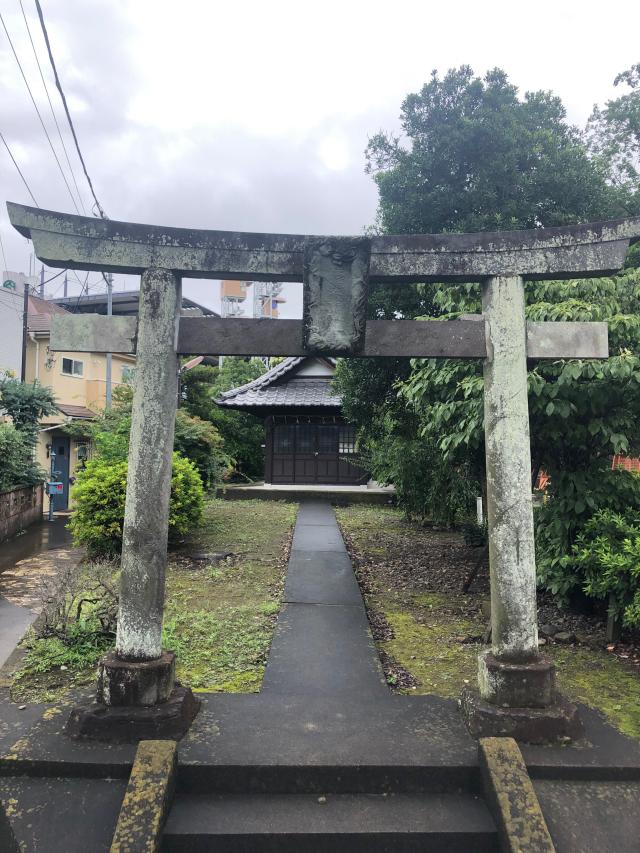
column 131, row 723
column 135, row 700
column 519, row 700
column 123, row 682
column 517, row 685
column 557, row 722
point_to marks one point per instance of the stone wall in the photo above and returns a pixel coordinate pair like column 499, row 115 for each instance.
column 19, row 508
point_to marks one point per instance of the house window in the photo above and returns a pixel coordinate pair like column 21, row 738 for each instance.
column 71, row 367
column 347, row 442
column 127, row 373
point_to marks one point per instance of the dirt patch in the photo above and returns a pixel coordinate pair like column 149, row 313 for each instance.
column 429, row 633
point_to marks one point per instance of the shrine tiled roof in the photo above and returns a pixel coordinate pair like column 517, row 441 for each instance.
column 274, row 389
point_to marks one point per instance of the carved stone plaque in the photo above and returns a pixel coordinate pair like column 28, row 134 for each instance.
column 336, row 278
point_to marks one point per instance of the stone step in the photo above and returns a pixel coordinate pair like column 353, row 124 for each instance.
column 335, row 823
column 296, row 779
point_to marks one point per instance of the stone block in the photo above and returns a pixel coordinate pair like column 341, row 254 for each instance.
column 126, row 683
column 336, row 280
column 511, row 797
column 147, row 799
column 557, row 723
column 129, row 724
column 516, row 685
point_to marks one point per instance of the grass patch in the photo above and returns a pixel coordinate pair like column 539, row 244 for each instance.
column 219, row 616
column 435, row 630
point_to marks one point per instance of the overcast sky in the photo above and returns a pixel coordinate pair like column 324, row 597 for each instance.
column 255, row 115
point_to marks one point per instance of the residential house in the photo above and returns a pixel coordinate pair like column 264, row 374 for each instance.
column 78, row 382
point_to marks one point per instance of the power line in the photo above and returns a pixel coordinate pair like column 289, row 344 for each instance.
column 4, row 257
column 35, row 106
column 53, row 114
column 66, row 109
column 24, row 180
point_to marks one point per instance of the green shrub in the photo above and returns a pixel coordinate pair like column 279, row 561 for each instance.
column 18, row 467
column 607, row 554
column 99, row 497
column 426, row 487
column 563, row 521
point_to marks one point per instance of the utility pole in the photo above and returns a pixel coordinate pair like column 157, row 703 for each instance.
column 109, row 280
column 25, row 322
column 65, row 284
column 42, row 282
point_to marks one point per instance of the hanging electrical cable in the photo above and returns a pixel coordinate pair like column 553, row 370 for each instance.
column 24, row 180
column 4, row 257
column 66, row 109
column 53, row 114
column 35, row 106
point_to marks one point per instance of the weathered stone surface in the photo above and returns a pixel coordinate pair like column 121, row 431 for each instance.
column 131, row 723
column 93, row 333
column 512, row 798
column 336, row 281
column 508, row 457
column 567, row 340
column 147, row 799
column 557, row 723
column 79, row 242
column 146, row 514
column 8, row 843
column 517, row 685
column 135, row 682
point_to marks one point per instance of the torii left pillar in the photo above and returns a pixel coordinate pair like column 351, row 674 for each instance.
column 137, row 695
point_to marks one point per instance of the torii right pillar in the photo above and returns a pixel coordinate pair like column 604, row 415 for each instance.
column 517, row 695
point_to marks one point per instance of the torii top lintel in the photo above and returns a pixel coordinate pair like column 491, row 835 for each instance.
column 85, row 243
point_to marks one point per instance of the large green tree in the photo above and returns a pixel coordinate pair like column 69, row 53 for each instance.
column 613, row 135
column 476, row 156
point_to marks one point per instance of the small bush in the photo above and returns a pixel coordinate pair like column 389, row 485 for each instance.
column 607, row 554
column 99, row 497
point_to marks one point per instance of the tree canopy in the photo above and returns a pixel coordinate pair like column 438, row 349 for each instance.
column 476, row 156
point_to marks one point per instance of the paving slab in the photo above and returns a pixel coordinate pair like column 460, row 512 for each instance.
column 323, row 650
column 62, row 815
column 321, row 578
column 346, row 731
column 316, row 512
column 317, row 537
column 601, row 817
column 14, row 621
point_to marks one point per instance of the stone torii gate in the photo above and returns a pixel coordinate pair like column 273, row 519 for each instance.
column 517, row 693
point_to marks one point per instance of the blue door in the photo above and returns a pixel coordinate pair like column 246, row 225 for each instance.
column 61, row 446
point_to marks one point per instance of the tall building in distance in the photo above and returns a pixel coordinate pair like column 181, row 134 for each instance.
column 267, row 298
column 232, row 295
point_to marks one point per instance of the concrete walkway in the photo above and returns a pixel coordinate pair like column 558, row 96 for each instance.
column 322, row 645
column 31, row 565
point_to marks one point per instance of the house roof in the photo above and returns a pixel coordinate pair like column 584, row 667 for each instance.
column 77, row 412
column 123, row 302
column 39, row 314
column 281, row 387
